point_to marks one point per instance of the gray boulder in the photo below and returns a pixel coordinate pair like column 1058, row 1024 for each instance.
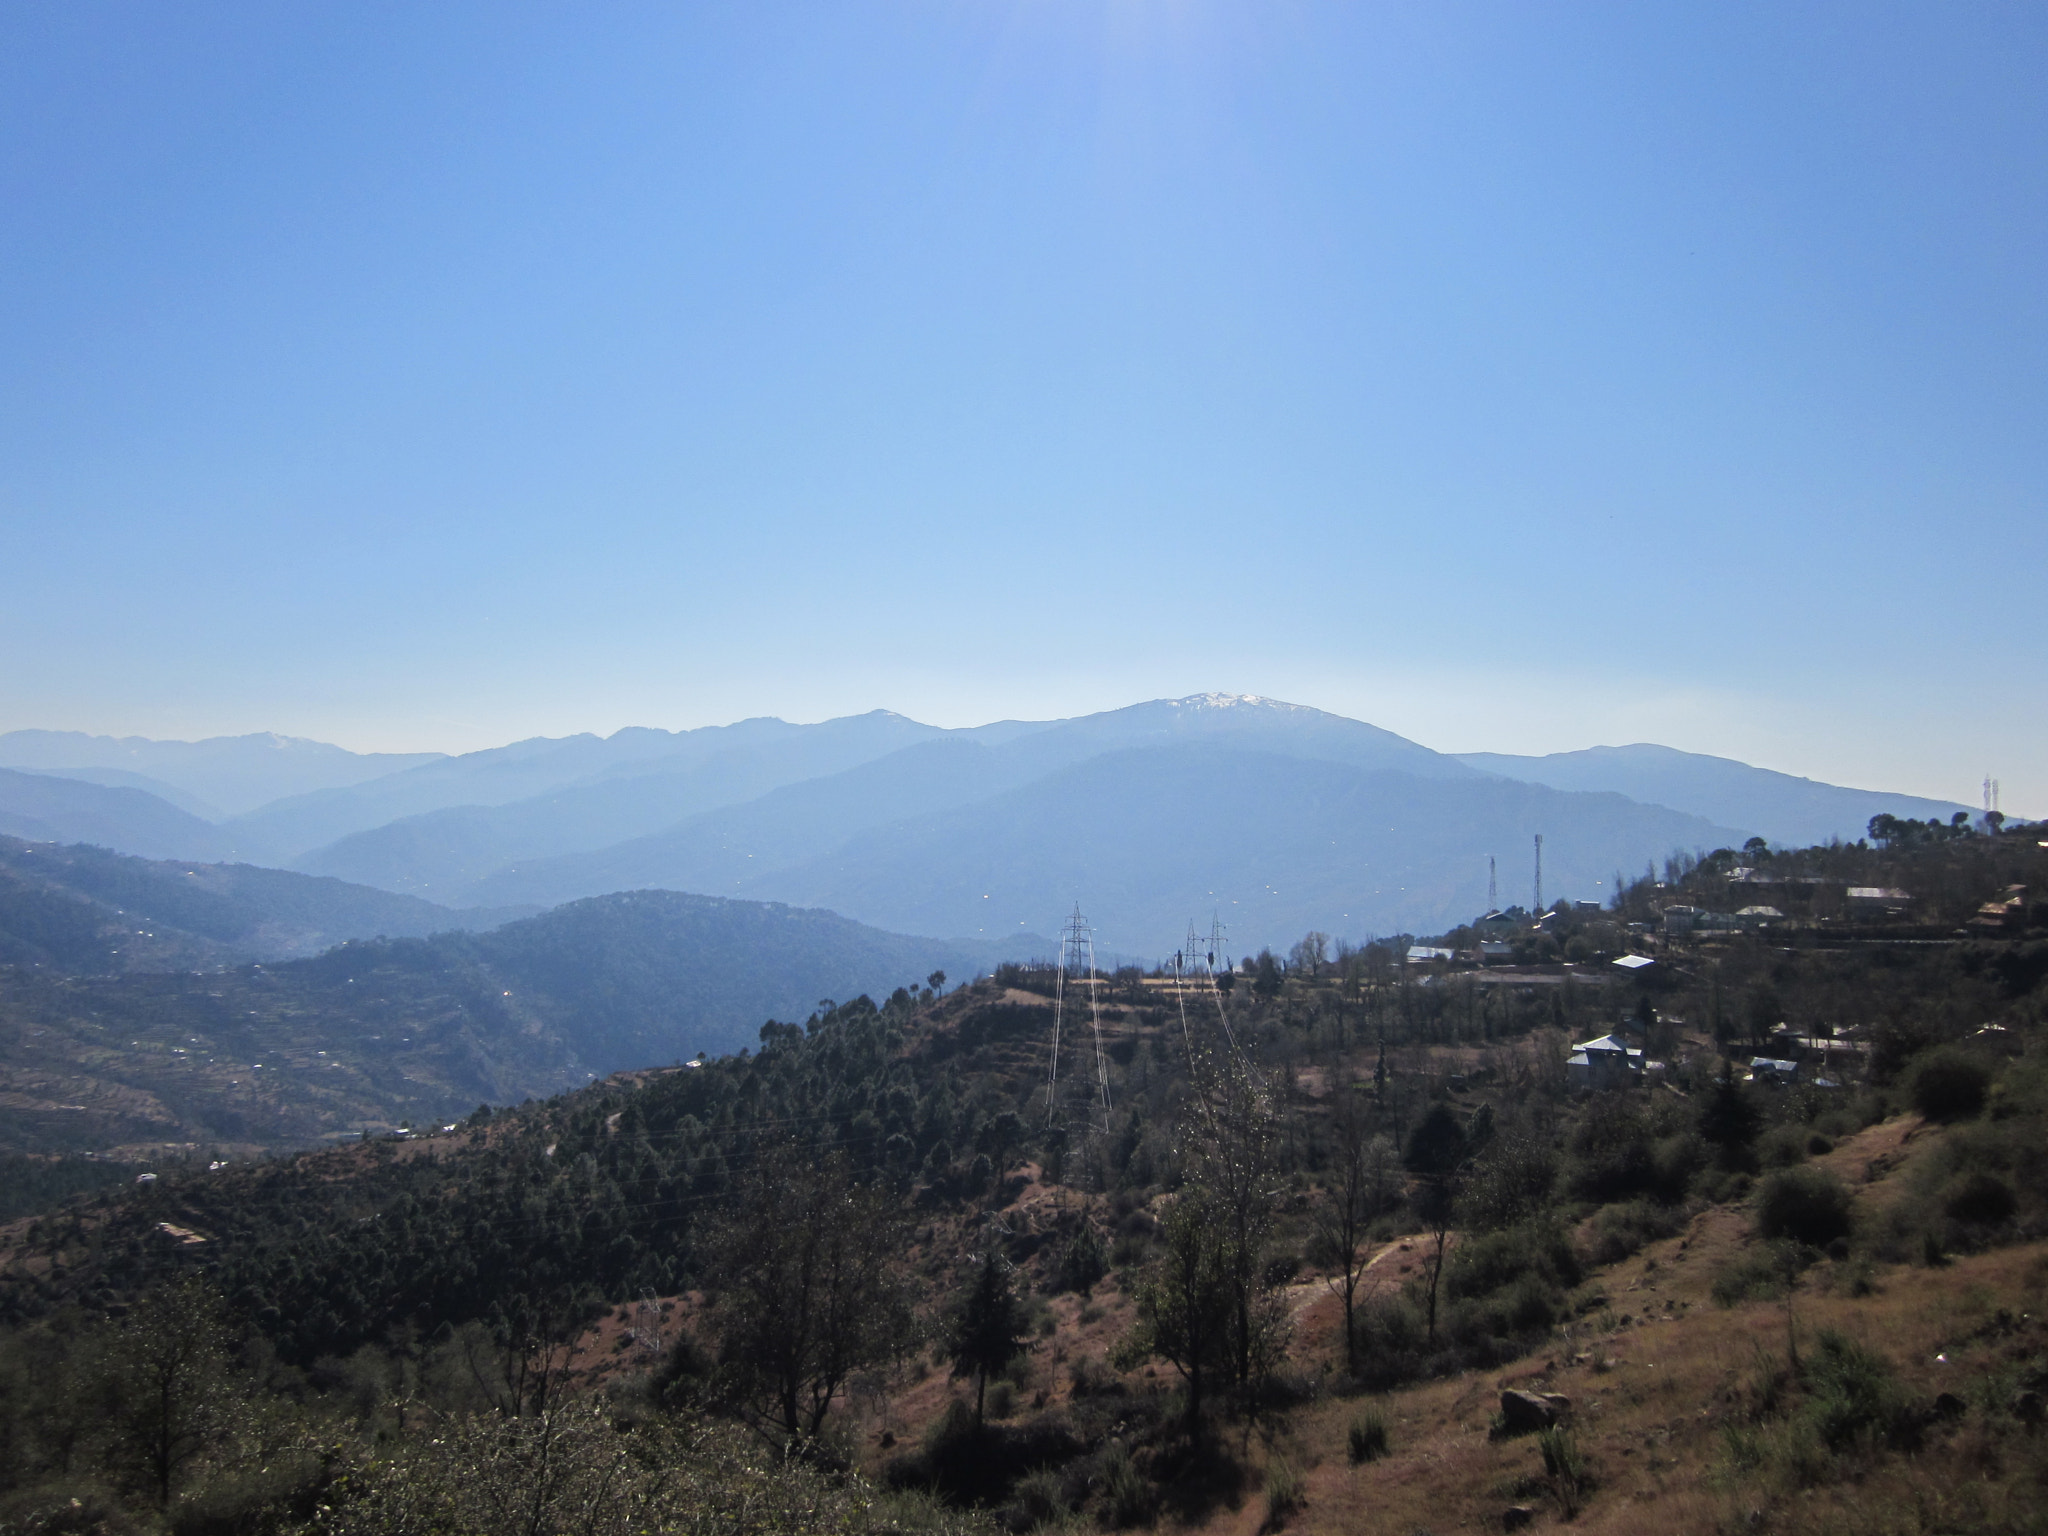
column 1524, row 1413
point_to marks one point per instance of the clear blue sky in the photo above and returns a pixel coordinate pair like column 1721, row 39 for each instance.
column 1514, row 376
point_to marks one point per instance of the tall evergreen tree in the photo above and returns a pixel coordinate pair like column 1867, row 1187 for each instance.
column 988, row 1328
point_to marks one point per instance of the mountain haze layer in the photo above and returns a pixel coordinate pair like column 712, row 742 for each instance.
column 48, row 808
column 85, row 911
column 233, row 773
column 557, row 794
column 1278, row 816
column 953, row 838
column 1780, row 807
column 473, row 853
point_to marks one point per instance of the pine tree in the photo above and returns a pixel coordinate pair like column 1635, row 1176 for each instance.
column 988, row 1328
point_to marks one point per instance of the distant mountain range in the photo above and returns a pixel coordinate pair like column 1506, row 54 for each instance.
column 1276, row 817
column 222, row 776
column 1778, row 807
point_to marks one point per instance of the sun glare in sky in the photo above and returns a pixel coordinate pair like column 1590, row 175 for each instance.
column 1516, row 378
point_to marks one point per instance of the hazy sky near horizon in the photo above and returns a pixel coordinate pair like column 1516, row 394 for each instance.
column 1515, row 377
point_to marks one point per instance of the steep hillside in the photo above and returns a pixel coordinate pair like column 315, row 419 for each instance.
column 1145, row 839
column 1368, row 1258
column 1790, row 811
column 86, row 911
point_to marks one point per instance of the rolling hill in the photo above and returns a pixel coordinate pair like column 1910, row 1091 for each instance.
column 86, row 911
column 375, row 1033
column 45, row 808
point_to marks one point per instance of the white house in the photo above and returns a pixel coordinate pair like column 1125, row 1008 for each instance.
column 1608, row 1062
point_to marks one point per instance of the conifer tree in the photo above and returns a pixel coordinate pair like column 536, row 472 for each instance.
column 988, row 1328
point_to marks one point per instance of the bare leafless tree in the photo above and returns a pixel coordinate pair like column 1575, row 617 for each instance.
column 1362, row 1175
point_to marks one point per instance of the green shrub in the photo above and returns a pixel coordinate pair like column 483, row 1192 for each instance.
column 1949, row 1084
column 1981, row 1198
column 1761, row 1274
column 1564, row 1467
column 1285, row 1493
column 1083, row 1262
column 1391, row 1341
column 1807, row 1205
column 1039, row 1500
column 1530, row 1305
column 1127, row 1498
column 1482, row 1265
column 1624, row 1151
column 1367, row 1438
column 574, row 1468
column 1782, row 1146
column 1852, row 1395
column 1627, row 1228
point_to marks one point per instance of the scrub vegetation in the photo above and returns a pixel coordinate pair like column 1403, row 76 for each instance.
column 870, row 1275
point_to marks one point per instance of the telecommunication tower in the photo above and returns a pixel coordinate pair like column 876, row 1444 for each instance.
column 1492, row 885
column 1539, row 874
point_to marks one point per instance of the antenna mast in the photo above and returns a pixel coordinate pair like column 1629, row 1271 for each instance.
column 1492, row 885
column 1539, row 874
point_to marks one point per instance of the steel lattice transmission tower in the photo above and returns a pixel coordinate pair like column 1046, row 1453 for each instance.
column 1077, row 961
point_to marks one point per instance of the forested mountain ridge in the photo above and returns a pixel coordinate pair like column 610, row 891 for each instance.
column 381, row 1032
column 82, row 910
